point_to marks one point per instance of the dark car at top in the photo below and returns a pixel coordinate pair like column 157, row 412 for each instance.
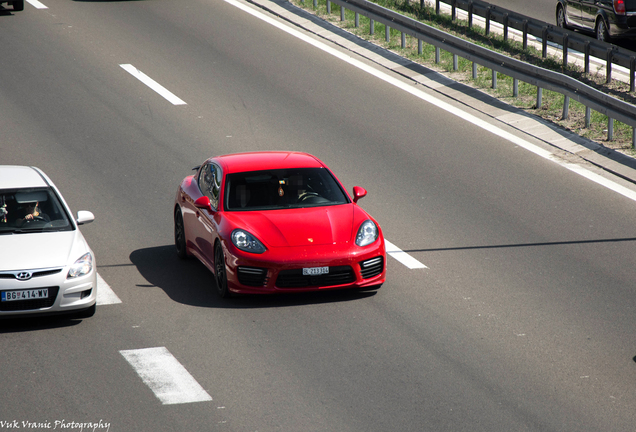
column 18, row 5
column 607, row 19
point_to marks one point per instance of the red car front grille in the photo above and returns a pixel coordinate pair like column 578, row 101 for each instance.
column 295, row 279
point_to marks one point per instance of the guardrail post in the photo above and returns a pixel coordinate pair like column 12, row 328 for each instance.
column 632, row 69
column 470, row 14
column 588, row 117
column 357, row 19
column 437, row 7
column 437, row 54
column 455, row 62
column 544, row 42
column 387, row 33
column 505, row 27
column 371, row 27
column 494, row 79
column 515, row 87
column 610, row 129
column 342, row 13
column 539, row 97
column 453, row 10
column 315, row 4
column 587, row 57
column 474, row 70
column 566, row 108
column 565, row 50
column 328, row 7
column 487, row 18
column 633, row 137
column 419, row 46
column 608, row 65
column 525, row 35
column 403, row 40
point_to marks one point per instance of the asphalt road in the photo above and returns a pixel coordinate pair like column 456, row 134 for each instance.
column 522, row 320
column 544, row 10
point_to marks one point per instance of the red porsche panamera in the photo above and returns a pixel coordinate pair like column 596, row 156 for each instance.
column 274, row 222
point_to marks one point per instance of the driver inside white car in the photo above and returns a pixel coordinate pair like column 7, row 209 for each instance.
column 30, row 211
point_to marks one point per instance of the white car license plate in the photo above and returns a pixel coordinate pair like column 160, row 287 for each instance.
column 315, row 271
column 25, row 294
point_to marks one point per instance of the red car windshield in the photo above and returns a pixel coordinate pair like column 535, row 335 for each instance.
column 282, row 189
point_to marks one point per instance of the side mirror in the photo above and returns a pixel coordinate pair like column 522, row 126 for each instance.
column 203, row 203
column 358, row 193
column 84, row 217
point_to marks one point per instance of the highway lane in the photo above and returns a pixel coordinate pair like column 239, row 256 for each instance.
column 523, row 319
column 544, row 10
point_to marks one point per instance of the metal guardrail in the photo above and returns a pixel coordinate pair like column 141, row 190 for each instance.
column 542, row 78
column 567, row 39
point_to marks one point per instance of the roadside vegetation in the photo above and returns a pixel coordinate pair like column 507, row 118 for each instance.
column 552, row 102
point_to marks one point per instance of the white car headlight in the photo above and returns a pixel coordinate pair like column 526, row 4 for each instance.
column 247, row 242
column 367, row 233
column 82, row 266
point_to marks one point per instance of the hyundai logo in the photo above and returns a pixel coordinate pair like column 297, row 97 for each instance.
column 23, row 275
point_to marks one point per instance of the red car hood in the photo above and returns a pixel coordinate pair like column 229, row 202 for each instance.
column 301, row 227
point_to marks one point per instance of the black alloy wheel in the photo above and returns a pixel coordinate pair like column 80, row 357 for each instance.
column 220, row 272
column 560, row 18
column 179, row 235
column 602, row 32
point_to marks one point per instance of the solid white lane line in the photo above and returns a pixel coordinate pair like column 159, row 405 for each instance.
column 166, row 377
column 36, row 4
column 410, row 88
column 402, row 256
column 170, row 97
column 105, row 295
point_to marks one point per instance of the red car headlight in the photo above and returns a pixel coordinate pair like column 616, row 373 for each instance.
column 247, row 242
column 367, row 233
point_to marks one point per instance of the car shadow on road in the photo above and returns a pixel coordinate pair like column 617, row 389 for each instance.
column 190, row 282
column 20, row 325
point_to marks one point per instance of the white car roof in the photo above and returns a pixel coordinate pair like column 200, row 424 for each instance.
column 13, row 176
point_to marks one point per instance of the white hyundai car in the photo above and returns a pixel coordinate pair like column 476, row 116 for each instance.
column 46, row 266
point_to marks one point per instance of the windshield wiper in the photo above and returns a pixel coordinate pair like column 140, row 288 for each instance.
column 21, row 231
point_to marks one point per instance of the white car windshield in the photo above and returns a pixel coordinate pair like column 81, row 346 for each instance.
column 282, row 189
column 30, row 210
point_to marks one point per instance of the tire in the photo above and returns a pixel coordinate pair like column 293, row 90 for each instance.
column 602, row 32
column 560, row 18
column 179, row 235
column 220, row 272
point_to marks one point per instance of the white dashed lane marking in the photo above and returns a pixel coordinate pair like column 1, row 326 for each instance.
column 170, row 97
column 36, row 4
column 105, row 295
column 166, row 377
column 402, row 256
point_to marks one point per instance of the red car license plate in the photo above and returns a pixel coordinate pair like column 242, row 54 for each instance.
column 314, row 271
